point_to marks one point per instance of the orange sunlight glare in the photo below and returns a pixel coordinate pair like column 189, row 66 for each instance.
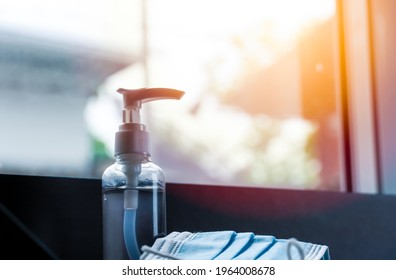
column 193, row 43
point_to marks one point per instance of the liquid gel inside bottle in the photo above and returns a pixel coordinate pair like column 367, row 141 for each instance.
column 134, row 210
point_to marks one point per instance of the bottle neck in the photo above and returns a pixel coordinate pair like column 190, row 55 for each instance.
column 132, row 157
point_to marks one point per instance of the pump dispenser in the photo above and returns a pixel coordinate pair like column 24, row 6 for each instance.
column 133, row 187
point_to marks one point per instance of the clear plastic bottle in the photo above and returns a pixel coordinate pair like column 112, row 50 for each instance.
column 151, row 211
column 133, row 188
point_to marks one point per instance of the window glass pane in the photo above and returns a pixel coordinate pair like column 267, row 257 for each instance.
column 260, row 102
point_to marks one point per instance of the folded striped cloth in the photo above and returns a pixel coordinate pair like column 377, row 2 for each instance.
column 230, row 245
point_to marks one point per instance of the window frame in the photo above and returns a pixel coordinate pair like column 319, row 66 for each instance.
column 359, row 154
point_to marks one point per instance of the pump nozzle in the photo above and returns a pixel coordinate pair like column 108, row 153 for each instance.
column 132, row 136
column 134, row 97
